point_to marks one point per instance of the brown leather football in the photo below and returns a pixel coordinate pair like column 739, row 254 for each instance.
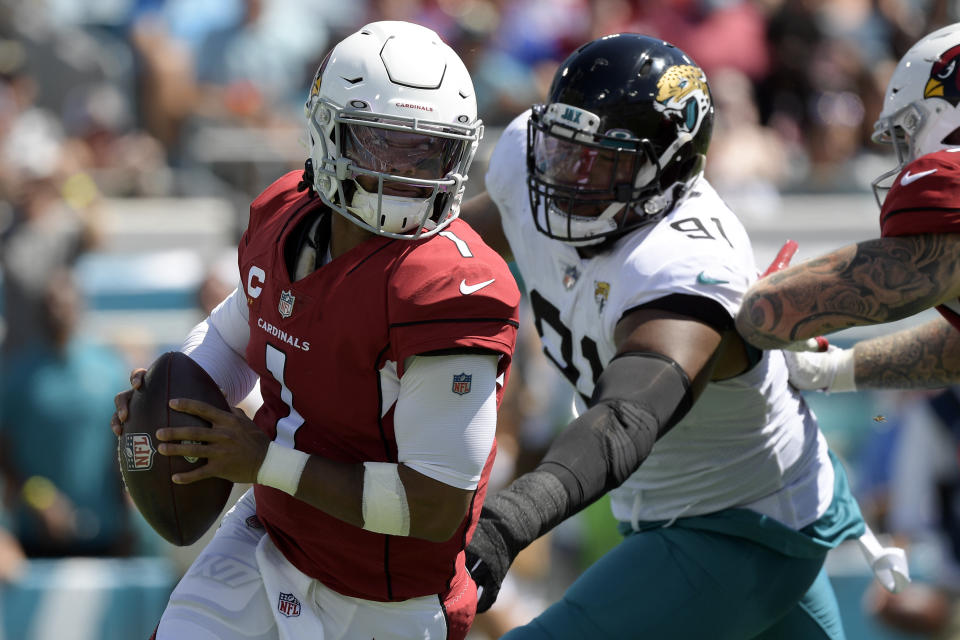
column 181, row 513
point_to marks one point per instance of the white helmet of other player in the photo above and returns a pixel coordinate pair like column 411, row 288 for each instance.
column 920, row 112
column 393, row 127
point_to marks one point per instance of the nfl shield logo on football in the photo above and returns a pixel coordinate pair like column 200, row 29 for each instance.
column 286, row 303
column 288, row 605
column 138, row 451
column 461, row 383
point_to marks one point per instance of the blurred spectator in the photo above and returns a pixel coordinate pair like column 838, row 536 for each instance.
column 534, row 31
column 43, row 231
column 59, row 467
column 836, row 116
column 748, row 162
column 614, row 16
column 166, row 88
column 505, row 86
column 102, row 143
column 257, row 67
column 12, row 559
column 221, row 278
column 924, row 513
column 237, row 62
column 718, row 34
column 793, row 34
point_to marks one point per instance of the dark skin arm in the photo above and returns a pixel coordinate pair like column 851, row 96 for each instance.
column 235, row 448
column 704, row 353
column 872, row 282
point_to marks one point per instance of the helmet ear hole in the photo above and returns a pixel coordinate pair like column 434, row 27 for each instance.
column 682, row 166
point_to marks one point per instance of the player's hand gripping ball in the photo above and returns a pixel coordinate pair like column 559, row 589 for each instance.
column 180, row 513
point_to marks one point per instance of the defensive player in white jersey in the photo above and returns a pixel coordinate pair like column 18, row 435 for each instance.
column 635, row 269
column 382, row 329
column 914, row 264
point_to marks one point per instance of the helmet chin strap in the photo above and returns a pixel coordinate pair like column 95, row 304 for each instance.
column 400, row 214
column 649, row 172
column 580, row 227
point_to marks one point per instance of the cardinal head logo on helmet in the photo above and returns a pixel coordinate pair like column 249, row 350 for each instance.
column 944, row 79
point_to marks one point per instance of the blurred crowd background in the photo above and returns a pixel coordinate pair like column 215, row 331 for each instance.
column 134, row 133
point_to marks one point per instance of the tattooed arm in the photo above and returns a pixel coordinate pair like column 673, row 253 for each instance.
column 872, row 282
column 921, row 357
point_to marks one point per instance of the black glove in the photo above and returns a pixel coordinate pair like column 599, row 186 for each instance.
column 488, row 559
column 510, row 520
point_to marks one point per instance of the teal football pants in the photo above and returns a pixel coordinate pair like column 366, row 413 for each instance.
column 676, row 584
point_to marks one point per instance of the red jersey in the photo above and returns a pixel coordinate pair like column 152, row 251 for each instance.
column 925, row 198
column 320, row 344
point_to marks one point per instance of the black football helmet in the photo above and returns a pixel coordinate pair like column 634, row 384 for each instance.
column 623, row 134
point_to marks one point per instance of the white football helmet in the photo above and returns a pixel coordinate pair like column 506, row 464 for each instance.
column 920, row 108
column 393, row 127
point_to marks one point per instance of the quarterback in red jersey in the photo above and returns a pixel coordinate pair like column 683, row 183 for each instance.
column 381, row 328
column 913, row 266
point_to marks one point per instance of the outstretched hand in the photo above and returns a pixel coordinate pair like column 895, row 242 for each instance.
column 234, row 447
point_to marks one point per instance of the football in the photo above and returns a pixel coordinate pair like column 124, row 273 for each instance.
column 179, row 513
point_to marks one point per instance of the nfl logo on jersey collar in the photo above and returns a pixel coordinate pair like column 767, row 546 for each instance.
column 570, row 276
column 286, row 304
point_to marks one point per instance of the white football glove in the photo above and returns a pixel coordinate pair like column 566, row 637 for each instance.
column 889, row 564
column 830, row 370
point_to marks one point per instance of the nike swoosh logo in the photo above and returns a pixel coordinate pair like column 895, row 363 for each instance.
column 703, row 278
column 467, row 289
column 913, row 177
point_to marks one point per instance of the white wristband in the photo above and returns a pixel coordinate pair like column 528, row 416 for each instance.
column 282, row 468
column 385, row 508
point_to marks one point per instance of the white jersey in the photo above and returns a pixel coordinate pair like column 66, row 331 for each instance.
column 749, row 441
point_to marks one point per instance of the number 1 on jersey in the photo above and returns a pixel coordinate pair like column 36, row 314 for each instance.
column 286, row 427
column 462, row 246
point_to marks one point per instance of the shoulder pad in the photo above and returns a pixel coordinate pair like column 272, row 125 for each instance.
column 925, row 197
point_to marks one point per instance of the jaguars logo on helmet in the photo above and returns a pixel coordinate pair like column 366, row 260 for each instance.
column 682, row 91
